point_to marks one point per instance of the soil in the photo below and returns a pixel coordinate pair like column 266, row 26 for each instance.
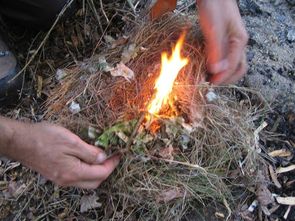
column 271, row 58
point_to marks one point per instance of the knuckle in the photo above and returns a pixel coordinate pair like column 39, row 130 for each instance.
column 63, row 179
column 75, row 143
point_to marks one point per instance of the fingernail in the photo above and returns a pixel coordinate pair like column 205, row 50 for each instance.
column 101, row 157
column 219, row 66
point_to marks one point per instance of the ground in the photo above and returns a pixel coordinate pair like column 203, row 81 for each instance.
column 271, row 57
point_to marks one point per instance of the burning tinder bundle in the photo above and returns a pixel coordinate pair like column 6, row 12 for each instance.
column 184, row 144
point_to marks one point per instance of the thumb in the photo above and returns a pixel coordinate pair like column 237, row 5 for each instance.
column 215, row 48
column 91, row 154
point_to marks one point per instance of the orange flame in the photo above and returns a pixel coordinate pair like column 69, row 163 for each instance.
column 170, row 68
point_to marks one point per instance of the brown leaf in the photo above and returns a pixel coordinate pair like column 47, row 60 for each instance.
column 264, row 196
column 170, row 194
column 161, row 7
column 167, row 153
column 15, row 189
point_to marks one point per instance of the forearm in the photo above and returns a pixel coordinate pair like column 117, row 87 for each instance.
column 10, row 131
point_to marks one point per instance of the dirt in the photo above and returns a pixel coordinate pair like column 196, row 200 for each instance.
column 271, row 58
column 271, row 55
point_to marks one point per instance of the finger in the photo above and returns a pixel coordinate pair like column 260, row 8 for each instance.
column 90, row 154
column 239, row 73
column 223, row 77
column 89, row 185
column 236, row 50
column 214, row 32
column 98, row 172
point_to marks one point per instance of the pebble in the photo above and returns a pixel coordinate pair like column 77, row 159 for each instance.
column 291, row 35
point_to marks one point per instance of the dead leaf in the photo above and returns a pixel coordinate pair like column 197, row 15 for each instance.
column 104, row 65
column 167, row 153
column 15, row 189
column 109, row 39
column 280, row 153
column 161, row 7
column 122, row 136
column 123, row 71
column 264, row 196
column 170, row 194
column 274, row 177
column 285, row 169
column 286, row 200
column 60, row 74
column 89, row 202
column 129, row 52
column 74, row 107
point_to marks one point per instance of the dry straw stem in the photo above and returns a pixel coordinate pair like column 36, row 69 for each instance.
column 221, row 155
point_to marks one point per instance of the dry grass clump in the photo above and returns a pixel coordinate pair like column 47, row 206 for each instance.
column 179, row 169
column 104, row 99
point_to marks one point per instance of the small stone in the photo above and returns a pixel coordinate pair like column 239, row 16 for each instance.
column 250, row 56
column 291, row 35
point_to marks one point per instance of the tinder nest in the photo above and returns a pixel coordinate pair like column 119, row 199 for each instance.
column 204, row 157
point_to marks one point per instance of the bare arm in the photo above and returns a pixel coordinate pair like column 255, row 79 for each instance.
column 56, row 153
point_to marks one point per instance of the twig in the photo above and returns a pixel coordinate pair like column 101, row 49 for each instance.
column 131, row 6
column 92, row 6
column 44, row 40
column 195, row 166
column 103, row 12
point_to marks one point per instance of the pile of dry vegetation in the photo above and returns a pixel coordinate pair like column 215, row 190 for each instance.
column 208, row 153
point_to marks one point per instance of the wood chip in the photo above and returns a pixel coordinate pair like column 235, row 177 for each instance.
column 274, row 177
column 287, row 212
column 285, row 169
column 280, row 153
column 286, row 200
column 219, row 215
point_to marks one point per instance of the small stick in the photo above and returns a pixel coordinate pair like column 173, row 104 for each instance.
column 134, row 132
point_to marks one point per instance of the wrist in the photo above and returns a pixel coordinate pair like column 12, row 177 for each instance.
column 10, row 145
column 6, row 136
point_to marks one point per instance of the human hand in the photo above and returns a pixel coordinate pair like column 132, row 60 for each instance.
column 61, row 156
column 226, row 39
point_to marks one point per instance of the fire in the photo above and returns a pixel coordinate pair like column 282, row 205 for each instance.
column 170, row 67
